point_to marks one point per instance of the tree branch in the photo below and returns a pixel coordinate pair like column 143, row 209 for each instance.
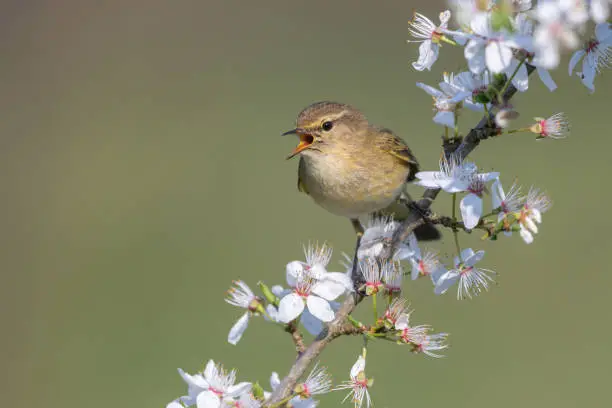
column 296, row 336
column 418, row 216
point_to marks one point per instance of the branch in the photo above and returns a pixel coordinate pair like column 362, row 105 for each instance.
column 417, row 217
column 296, row 336
column 482, row 131
column 448, row 222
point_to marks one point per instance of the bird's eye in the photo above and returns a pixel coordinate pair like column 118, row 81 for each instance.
column 327, row 126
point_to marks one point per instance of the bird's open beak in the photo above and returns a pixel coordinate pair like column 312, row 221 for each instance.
column 306, row 140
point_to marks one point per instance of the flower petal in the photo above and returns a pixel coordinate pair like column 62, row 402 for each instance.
column 471, row 210
column 272, row 312
column 574, row 60
column 486, row 177
column 546, row 78
column 474, row 258
column 340, row 278
column 208, row 399
column 238, row 329
column 194, row 381
column 430, row 90
column 526, row 235
column 497, row 194
column 293, row 270
column 475, row 56
column 320, row 308
column 588, row 75
column 274, row 381
column 278, row 290
column 414, row 274
column 313, row 325
column 446, row 280
column 521, row 78
column 428, row 178
column 210, row 370
column 358, row 367
column 498, row 56
column 328, row 289
column 238, row 389
column 465, row 254
column 428, row 54
column 290, row 307
column 445, row 118
column 602, row 30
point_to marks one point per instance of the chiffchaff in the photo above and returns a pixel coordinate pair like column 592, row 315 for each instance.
column 352, row 168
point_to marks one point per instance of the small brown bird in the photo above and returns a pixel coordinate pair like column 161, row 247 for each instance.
column 352, row 168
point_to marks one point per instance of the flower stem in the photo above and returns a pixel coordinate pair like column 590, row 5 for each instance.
column 488, row 114
column 525, row 129
column 509, row 80
column 447, row 40
column 456, row 124
column 281, row 402
column 374, row 307
column 356, row 323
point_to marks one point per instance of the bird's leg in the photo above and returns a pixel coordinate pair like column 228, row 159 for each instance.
column 357, row 226
column 355, row 272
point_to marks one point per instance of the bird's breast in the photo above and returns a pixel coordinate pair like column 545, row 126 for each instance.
column 352, row 186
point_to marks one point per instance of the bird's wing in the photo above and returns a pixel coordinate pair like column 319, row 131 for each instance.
column 300, row 183
column 301, row 187
column 395, row 146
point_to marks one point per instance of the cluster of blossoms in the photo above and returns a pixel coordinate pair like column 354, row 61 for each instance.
column 215, row 387
column 514, row 210
column 504, row 39
column 503, row 42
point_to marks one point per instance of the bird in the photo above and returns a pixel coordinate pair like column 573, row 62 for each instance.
column 352, row 168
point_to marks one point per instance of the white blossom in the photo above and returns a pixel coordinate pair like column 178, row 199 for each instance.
column 242, row 296
column 554, row 31
column 600, row 10
column 310, row 294
column 430, row 344
column 556, row 126
column 358, row 385
column 468, row 85
column 317, row 259
column 318, row 382
column 596, row 54
column 425, row 263
column 471, row 205
column 472, row 280
column 212, row 387
column 446, row 103
column 295, row 402
column 454, row 175
column 536, row 203
column 489, row 49
column 394, row 311
column 429, row 35
column 508, row 203
column 524, row 26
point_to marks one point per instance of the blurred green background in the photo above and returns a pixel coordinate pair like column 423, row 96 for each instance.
column 141, row 170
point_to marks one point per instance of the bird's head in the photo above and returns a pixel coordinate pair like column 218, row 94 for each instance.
column 323, row 125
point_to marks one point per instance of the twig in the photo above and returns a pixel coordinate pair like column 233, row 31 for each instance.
column 416, row 217
column 296, row 336
column 448, row 222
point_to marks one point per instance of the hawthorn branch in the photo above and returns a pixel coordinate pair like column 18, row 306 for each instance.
column 420, row 211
